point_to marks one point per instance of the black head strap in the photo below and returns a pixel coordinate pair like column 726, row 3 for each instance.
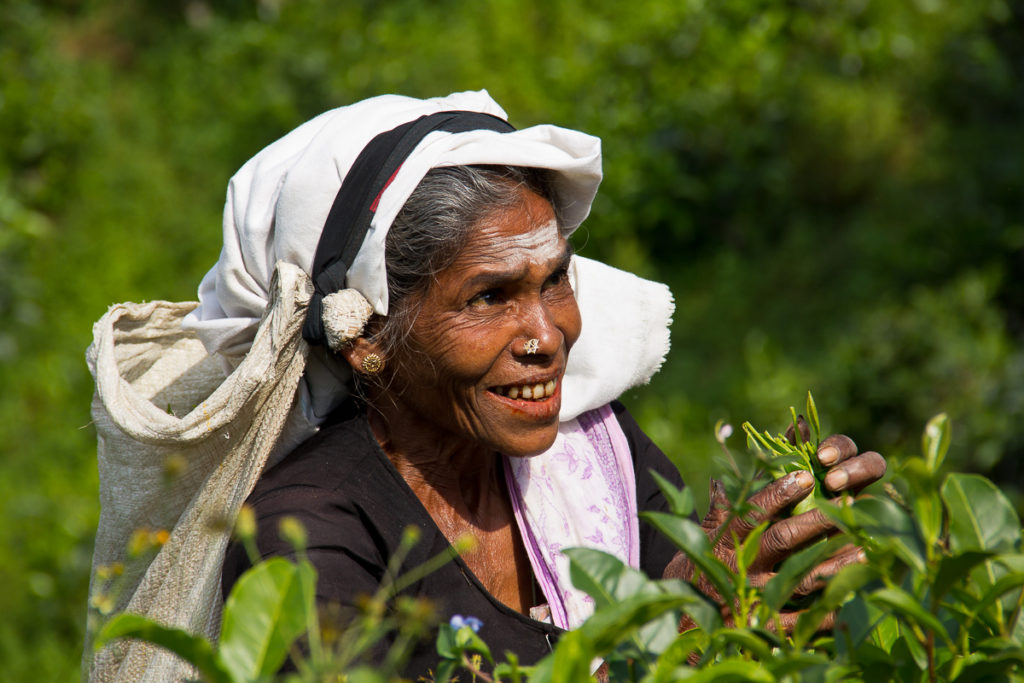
column 356, row 201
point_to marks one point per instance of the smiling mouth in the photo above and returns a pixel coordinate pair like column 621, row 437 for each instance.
column 528, row 392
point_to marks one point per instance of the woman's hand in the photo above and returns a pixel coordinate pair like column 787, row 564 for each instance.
column 848, row 472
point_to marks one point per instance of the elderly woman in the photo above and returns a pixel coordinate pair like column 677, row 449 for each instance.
column 466, row 367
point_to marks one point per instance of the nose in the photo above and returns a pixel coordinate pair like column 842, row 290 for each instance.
column 540, row 334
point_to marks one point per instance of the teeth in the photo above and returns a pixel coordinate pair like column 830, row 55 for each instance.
column 533, row 392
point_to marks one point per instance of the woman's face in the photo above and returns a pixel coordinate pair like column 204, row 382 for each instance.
column 466, row 371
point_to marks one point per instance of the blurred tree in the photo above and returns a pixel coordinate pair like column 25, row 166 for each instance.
column 833, row 189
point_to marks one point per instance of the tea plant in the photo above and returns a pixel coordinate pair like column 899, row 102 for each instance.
column 939, row 598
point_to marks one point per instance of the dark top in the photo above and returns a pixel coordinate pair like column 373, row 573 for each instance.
column 354, row 505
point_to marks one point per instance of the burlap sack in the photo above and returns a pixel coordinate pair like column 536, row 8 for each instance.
column 181, row 446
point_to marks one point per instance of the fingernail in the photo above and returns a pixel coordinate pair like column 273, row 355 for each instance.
column 837, row 479
column 862, row 556
column 828, row 455
column 804, row 479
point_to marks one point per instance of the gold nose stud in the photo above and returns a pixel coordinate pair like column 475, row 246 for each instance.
column 531, row 346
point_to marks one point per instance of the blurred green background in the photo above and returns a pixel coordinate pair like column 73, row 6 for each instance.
column 834, row 189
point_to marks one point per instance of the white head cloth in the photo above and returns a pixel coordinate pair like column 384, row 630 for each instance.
column 278, row 202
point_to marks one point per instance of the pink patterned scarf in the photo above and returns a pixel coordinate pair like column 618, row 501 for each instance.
column 581, row 492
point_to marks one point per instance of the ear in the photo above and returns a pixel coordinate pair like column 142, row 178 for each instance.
column 357, row 350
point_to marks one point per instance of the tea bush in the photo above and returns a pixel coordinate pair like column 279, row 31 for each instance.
column 939, row 598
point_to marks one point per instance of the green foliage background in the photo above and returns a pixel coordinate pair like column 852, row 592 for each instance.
column 834, row 189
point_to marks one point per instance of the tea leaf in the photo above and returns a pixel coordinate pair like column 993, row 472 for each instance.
column 266, row 611
column 793, row 570
column 609, row 581
column 193, row 649
column 812, row 415
column 690, row 538
column 680, row 501
column 907, row 605
column 731, row 670
column 954, row 568
column 605, row 628
column 672, row 664
column 885, row 525
column 750, row 546
column 935, row 441
column 747, row 639
column 980, row 516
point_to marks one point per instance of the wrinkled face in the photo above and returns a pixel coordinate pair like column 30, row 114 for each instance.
column 467, row 374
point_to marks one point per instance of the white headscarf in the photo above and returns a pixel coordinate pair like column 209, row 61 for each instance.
column 278, row 202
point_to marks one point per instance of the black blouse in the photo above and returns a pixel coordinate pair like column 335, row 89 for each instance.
column 354, row 505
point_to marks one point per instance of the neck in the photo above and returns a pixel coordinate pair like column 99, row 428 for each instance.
column 448, row 475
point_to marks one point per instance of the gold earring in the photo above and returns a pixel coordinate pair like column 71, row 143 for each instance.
column 372, row 364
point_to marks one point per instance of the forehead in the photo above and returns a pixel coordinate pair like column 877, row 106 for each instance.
column 527, row 231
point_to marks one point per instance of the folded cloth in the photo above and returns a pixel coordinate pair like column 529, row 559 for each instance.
column 278, row 202
column 581, row 492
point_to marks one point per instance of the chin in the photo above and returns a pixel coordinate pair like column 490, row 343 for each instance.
column 520, row 449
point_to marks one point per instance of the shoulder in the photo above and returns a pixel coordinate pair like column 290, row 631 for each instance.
column 647, row 456
column 324, row 462
column 645, row 452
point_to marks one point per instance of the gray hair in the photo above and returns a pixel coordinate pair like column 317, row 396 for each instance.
column 434, row 226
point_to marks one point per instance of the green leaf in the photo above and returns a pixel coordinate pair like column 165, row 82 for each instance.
column 980, row 516
column 266, row 611
column 907, row 605
column 859, row 622
column 924, row 500
column 907, row 648
column 793, row 570
column 609, row 581
column 603, row 576
column 608, row 627
column 728, row 670
column 750, row 546
column 812, row 415
column 850, row 579
column 993, row 667
column 763, row 442
column 570, row 662
column 1001, row 586
column 445, row 643
column 680, row 501
column 935, row 441
column 746, row 639
column 193, row 649
column 691, row 539
column 366, row 674
column 467, row 640
column 955, row 568
column 806, row 663
column 884, row 526
column 677, row 655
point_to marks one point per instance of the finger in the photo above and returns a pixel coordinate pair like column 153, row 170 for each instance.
column 791, row 534
column 719, row 507
column 788, row 621
column 848, row 554
column 836, row 449
column 785, row 491
column 856, row 473
column 679, row 567
column 805, row 431
column 815, row 579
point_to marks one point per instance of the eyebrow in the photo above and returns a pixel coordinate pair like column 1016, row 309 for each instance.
column 493, row 278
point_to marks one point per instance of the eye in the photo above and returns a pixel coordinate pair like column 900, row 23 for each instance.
column 488, row 297
column 559, row 277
